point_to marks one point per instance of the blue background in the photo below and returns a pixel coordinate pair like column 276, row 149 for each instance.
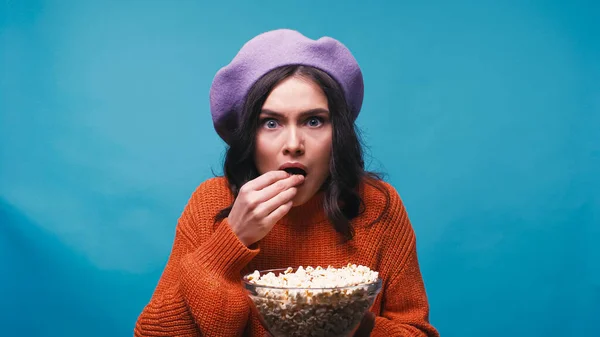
column 485, row 116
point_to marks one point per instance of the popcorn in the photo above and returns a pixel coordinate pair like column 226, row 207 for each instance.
column 314, row 301
column 318, row 277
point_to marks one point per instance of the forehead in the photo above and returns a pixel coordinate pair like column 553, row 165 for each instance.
column 294, row 95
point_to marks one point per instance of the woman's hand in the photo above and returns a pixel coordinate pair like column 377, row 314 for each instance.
column 262, row 202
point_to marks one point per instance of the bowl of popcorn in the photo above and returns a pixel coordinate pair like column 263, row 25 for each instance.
column 312, row 301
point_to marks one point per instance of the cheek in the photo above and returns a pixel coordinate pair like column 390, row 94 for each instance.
column 263, row 153
column 325, row 151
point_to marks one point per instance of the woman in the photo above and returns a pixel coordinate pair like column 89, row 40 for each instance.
column 295, row 193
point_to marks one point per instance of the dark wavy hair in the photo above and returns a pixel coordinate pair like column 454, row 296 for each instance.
column 342, row 201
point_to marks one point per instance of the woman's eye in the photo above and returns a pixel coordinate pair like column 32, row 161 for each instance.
column 315, row 121
column 270, row 123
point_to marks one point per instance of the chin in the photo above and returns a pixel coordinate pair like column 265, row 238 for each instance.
column 298, row 201
column 301, row 198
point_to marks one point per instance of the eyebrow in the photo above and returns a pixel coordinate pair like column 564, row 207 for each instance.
column 310, row 112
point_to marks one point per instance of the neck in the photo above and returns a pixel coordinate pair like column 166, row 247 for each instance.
column 310, row 212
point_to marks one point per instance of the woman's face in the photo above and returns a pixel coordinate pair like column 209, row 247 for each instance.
column 295, row 130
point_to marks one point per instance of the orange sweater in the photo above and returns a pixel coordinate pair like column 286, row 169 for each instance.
column 200, row 292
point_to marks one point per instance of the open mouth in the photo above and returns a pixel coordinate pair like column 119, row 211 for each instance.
column 295, row 170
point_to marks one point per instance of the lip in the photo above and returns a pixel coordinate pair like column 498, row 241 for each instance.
column 293, row 165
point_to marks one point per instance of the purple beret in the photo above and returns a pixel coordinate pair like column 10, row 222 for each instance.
column 271, row 50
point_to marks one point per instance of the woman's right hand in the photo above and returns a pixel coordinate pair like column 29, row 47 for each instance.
column 262, row 202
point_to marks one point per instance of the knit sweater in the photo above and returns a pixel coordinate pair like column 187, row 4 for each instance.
column 200, row 291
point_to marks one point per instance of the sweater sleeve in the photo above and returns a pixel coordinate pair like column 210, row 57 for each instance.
column 199, row 292
column 406, row 310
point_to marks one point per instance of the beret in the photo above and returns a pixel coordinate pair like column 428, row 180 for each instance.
column 271, row 50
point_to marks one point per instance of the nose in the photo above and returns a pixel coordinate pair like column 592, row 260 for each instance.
column 294, row 142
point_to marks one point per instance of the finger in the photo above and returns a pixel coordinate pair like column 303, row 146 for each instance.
column 267, row 207
column 265, row 180
column 278, row 213
column 278, row 187
column 366, row 325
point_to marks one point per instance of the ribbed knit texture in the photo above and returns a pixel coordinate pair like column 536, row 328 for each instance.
column 200, row 293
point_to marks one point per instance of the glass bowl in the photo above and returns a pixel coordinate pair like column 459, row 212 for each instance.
column 310, row 311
